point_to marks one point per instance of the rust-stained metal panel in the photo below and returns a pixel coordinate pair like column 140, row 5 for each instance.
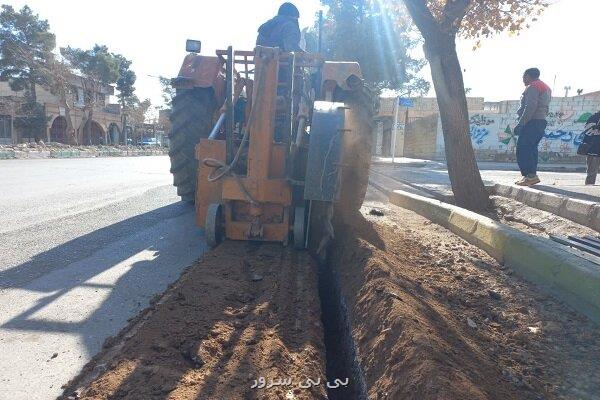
column 324, row 152
column 344, row 74
column 204, row 72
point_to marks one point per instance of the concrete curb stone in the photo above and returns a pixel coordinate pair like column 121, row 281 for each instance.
column 551, row 202
column 582, row 212
column 579, row 211
column 519, row 194
column 436, row 213
column 502, row 190
column 595, row 220
column 573, row 279
column 531, row 197
column 487, row 238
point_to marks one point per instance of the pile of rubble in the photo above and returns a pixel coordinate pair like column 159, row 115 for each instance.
column 60, row 150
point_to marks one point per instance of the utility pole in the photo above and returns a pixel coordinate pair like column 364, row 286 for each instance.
column 405, row 126
column 395, row 128
column 406, row 103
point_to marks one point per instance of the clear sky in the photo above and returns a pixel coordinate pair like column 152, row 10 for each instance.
column 563, row 42
column 152, row 34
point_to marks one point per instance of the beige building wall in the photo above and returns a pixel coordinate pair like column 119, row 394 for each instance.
column 421, row 137
column 493, row 138
column 422, row 107
column 106, row 116
column 491, row 128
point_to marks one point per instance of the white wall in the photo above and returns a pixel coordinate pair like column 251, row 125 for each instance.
column 493, row 132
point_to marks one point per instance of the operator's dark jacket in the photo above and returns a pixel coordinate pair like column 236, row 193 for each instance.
column 281, row 31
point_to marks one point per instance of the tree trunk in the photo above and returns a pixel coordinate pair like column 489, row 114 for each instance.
column 37, row 134
column 88, row 103
column 72, row 138
column 123, row 123
column 70, row 132
column 467, row 185
column 88, row 125
column 32, row 89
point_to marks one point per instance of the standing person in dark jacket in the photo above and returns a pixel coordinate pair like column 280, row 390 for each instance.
column 281, row 31
column 535, row 103
column 592, row 126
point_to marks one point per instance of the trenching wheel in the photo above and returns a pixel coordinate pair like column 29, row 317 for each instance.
column 299, row 228
column 214, row 225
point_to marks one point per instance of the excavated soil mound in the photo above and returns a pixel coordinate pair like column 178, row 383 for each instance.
column 243, row 312
column 434, row 317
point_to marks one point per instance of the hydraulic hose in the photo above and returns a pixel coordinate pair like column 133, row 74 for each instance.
column 221, row 168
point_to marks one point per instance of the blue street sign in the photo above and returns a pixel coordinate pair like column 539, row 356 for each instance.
column 405, row 102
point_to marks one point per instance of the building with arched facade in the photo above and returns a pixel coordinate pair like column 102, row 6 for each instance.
column 103, row 128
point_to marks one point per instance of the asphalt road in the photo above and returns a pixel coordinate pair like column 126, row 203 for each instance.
column 84, row 245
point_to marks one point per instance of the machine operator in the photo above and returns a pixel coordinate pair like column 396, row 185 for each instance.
column 282, row 30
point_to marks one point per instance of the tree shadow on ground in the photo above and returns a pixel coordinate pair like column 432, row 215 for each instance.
column 86, row 245
column 93, row 298
column 215, row 330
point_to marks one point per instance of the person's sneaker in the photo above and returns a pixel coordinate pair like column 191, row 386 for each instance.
column 529, row 180
column 520, row 181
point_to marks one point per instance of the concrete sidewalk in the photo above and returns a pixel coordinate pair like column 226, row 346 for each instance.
column 545, row 167
column 407, row 162
column 483, row 165
column 433, row 176
column 560, row 193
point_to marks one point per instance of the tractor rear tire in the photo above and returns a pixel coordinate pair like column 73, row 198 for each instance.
column 191, row 120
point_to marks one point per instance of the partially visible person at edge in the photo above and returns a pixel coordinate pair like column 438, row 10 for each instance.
column 593, row 162
column 281, row 31
column 532, row 113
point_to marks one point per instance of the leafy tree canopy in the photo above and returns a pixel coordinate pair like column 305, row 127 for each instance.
column 32, row 120
column 369, row 32
column 138, row 109
column 168, row 92
column 26, row 44
column 475, row 19
column 126, row 80
column 97, row 65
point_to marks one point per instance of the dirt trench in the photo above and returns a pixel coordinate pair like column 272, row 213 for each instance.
column 401, row 308
column 434, row 317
